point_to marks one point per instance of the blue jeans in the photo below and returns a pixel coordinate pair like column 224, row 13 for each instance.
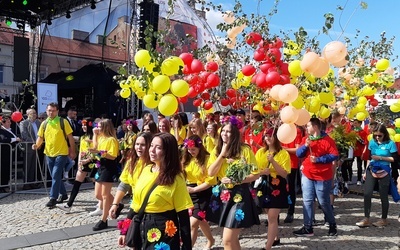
column 320, row 190
column 56, row 168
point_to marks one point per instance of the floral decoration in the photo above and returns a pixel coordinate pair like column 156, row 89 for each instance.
column 225, row 195
column 216, row 190
column 202, row 214
column 214, row 206
column 170, row 228
column 237, row 198
column 123, row 225
column 253, row 193
column 162, row 246
column 289, row 200
column 238, row 170
column 275, row 181
column 153, row 235
column 239, row 215
column 233, row 120
column 259, row 193
column 276, row 192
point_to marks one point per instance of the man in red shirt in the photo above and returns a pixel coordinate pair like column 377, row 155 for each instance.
column 318, row 151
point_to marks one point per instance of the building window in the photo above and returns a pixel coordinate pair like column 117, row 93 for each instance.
column 1, row 74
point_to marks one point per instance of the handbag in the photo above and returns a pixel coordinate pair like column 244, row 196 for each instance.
column 133, row 236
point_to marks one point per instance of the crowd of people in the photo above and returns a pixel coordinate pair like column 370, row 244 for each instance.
column 183, row 175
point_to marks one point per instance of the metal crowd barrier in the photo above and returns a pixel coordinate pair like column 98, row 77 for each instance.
column 27, row 168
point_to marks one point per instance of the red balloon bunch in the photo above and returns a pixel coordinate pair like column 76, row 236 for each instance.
column 200, row 78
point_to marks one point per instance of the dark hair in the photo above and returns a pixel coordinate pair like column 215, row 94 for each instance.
column 276, row 144
column 382, row 128
column 170, row 166
column 135, row 128
column 54, row 105
column 201, row 157
column 178, row 117
column 89, row 127
column 152, row 126
column 146, row 156
column 184, row 118
column 316, row 122
column 235, row 143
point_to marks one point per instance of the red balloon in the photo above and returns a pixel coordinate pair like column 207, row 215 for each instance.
column 266, row 66
column 272, row 78
column 212, row 66
column 187, row 58
column 192, row 92
column 197, row 102
column 284, row 68
column 213, row 80
column 261, row 82
column 16, row 116
column 196, row 66
column 183, row 99
column 225, row 102
column 373, row 102
column 199, row 87
column 203, row 76
column 275, row 54
column 259, row 55
column 284, row 79
column 231, row 93
column 208, row 105
column 277, row 43
column 205, row 96
column 187, row 70
column 253, row 38
column 248, row 70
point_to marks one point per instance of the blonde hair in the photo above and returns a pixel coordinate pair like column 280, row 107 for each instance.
column 107, row 128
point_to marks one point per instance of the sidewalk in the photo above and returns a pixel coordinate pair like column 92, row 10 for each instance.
column 28, row 224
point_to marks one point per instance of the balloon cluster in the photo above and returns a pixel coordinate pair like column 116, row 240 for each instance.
column 234, row 31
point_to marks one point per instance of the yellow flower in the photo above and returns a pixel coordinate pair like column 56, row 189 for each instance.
column 153, row 235
column 170, row 228
column 237, row 198
column 259, row 193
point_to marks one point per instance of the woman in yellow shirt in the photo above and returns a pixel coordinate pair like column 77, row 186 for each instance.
column 177, row 129
column 232, row 205
column 194, row 161
column 136, row 161
column 126, row 143
column 211, row 138
column 105, row 146
column 166, row 217
column 274, row 164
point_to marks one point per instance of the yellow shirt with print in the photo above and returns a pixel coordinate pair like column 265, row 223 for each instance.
column 195, row 174
column 282, row 158
column 163, row 198
column 247, row 154
column 55, row 141
column 181, row 133
column 109, row 144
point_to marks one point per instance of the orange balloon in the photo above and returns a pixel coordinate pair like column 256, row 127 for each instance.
column 288, row 93
column 289, row 114
column 310, row 62
column 286, row 133
column 274, row 92
column 323, row 68
column 341, row 63
column 303, row 118
column 334, row 51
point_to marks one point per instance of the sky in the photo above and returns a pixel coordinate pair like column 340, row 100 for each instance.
column 380, row 16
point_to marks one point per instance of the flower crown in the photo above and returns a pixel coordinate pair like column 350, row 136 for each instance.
column 131, row 122
column 85, row 122
column 233, row 120
column 192, row 143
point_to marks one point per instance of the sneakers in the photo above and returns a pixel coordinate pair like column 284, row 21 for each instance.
column 304, row 232
column 358, row 183
column 96, row 212
column 332, row 230
column 100, row 225
column 380, row 223
column 65, row 208
column 364, row 223
column 66, row 175
column 288, row 219
column 62, row 198
column 52, row 203
column 119, row 209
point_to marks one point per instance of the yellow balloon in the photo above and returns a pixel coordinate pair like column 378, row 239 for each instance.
column 124, row 84
column 369, row 137
column 179, row 88
column 391, row 131
column 161, row 84
column 142, row 58
column 382, row 64
column 324, row 112
column 170, row 67
column 298, row 103
column 397, row 122
column 151, row 101
column 362, row 100
column 235, row 84
column 395, row 107
column 168, row 105
column 361, row 116
column 294, row 68
column 125, row 93
column 246, row 81
column 370, row 78
column 397, row 137
column 140, row 94
column 326, row 97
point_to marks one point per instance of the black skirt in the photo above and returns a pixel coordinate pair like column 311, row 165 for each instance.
column 273, row 192
column 200, row 200
column 107, row 170
column 233, row 207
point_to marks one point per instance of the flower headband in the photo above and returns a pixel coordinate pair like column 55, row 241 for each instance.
column 131, row 122
column 192, row 143
column 85, row 122
column 233, row 120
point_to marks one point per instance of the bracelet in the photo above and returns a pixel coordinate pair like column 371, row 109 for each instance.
column 115, row 204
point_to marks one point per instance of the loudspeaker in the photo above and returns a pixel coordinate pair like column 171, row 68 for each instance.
column 21, row 59
column 149, row 13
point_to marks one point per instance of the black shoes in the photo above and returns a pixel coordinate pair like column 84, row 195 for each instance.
column 100, row 225
column 62, row 198
column 119, row 209
column 332, row 230
column 52, row 203
column 288, row 219
column 304, row 232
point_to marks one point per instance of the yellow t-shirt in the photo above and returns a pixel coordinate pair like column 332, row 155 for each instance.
column 181, row 133
column 129, row 138
column 209, row 143
column 195, row 175
column 247, row 154
column 55, row 141
column 128, row 178
column 282, row 157
column 109, row 144
column 163, row 198
column 84, row 145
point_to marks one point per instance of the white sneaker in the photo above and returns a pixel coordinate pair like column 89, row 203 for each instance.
column 65, row 208
column 96, row 212
column 66, row 175
column 358, row 183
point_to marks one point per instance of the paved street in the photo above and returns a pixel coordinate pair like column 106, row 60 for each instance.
column 26, row 222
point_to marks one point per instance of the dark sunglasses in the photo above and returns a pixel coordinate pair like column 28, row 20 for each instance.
column 379, row 136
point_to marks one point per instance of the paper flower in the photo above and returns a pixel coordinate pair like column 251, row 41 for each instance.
column 237, row 198
column 216, row 190
column 225, row 196
column 123, row 225
column 162, row 246
column 289, row 200
column 239, row 215
column 253, row 193
column 214, row 206
column 259, row 193
column 202, row 214
column 276, row 192
column 275, row 181
column 170, row 228
column 153, row 235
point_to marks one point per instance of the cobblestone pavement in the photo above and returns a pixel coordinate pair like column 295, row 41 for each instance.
column 23, row 214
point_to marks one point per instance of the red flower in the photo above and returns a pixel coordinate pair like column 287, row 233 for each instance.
column 276, row 192
column 225, row 196
column 253, row 193
column 202, row 214
column 275, row 181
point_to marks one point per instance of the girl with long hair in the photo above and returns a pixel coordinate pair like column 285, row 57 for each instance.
column 150, row 127
column 177, row 129
column 164, row 126
column 194, row 161
column 211, row 139
column 196, row 127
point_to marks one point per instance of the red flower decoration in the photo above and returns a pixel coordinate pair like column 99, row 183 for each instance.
column 253, row 193
column 287, row 187
column 275, row 181
column 225, row 196
column 276, row 192
column 190, row 143
column 202, row 214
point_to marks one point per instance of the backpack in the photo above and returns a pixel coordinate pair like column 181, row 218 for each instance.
column 62, row 127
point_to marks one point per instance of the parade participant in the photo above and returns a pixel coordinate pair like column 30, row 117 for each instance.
column 211, row 139
column 126, row 143
column 166, row 218
column 194, row 161
column 196, row 127
column 233, row 207
column 359, row 148
column 150, row 127
column 164, row 126
column 177, row 129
